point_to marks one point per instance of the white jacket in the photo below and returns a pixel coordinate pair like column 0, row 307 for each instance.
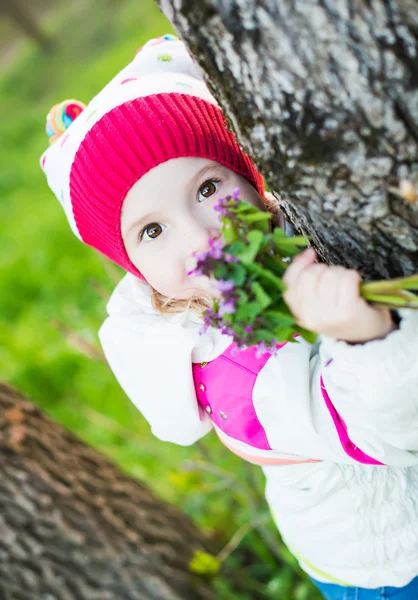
column 346, row 522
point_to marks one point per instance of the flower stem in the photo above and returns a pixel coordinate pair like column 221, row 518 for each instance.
column 392, row 300
column 394, row 293
column 402, row 283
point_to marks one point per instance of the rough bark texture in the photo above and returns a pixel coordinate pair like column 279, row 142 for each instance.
column 72, row 526
column 323, row 95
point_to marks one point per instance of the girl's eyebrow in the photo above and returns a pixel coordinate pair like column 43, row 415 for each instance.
column 141, row 221
column 194, row 180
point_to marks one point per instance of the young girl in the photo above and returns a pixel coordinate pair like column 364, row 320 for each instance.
column 334, row 425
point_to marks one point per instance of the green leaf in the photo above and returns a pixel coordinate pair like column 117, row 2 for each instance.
column 284, row 334
column 275, row 264
column 237, row 273
column 289, row 245
column 279, row 317
column 242, row 207
column 263, row 335
column 247, row 312
column 242, row 295
column 281, row 237
column 229, row 232
column 286, row 251
column 262, row 297
column 308, row 336
column 248, row 254
column 259, row 216
column 221, row 270
column 204, row 563
column 265, row 274
column 234, row 248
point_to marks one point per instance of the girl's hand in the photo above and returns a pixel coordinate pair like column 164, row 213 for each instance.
column 327, row 300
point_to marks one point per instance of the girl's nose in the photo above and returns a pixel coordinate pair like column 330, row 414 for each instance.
column 198, row 241
column 199, row 234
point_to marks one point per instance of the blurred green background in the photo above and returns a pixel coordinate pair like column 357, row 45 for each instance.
column 53, row 293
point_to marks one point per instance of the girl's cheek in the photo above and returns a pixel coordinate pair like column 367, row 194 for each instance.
column 142, row 259
column 212, row 216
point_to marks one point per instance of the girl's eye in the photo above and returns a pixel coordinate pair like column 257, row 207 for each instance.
column 151, row 231
column 207, row 189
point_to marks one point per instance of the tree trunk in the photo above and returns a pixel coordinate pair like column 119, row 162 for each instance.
column 72, row 526
column 323, row 95
column 20, row 14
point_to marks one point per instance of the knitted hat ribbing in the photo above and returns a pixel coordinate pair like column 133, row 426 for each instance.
column 156, row 109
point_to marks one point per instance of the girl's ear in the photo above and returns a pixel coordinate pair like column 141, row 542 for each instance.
column 272, row 205
column 269, row 198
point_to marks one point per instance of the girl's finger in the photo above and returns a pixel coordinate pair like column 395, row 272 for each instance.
column 349, row 289
column 299, row 263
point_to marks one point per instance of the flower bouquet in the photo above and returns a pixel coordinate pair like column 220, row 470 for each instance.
column 247, row 265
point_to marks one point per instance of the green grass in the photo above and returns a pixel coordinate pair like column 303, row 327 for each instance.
column 50, row 281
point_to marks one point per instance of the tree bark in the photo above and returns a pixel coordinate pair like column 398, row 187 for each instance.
column 323, row 96
column 72, row 526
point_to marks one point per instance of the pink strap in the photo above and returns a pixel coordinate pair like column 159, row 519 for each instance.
column 347, row 444
column 265, row 460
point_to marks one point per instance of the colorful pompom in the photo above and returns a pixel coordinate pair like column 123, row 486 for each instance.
column 61, row 116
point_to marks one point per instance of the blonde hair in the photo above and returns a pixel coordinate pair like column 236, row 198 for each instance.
column 166, row 306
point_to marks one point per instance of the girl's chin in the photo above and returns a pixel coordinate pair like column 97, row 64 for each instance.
column 200, row 286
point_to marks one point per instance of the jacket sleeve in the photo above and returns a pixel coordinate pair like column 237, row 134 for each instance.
column 344, row 403
column 154, row 368
column 371, row 393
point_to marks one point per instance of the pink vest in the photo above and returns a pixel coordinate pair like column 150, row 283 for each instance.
column 224, row 389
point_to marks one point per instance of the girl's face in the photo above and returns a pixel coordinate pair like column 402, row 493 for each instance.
column 168, row 215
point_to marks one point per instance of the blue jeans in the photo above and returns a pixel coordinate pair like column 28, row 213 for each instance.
column 331, row 591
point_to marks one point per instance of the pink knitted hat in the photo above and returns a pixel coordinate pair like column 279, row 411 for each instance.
column 156, row 109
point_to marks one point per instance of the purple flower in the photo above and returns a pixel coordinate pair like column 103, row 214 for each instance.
column 261, row 349
column 248, row 328
column 230, row 258
column 207, row 321
column 226, row 308
column 200, row 255
column 196, row 272
column 227, row 331
column 204, row 328
column 236, row 349
column 224, row 286
column 220, row 208
column 273, row 350
column 235, row 194
column 215, row 248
